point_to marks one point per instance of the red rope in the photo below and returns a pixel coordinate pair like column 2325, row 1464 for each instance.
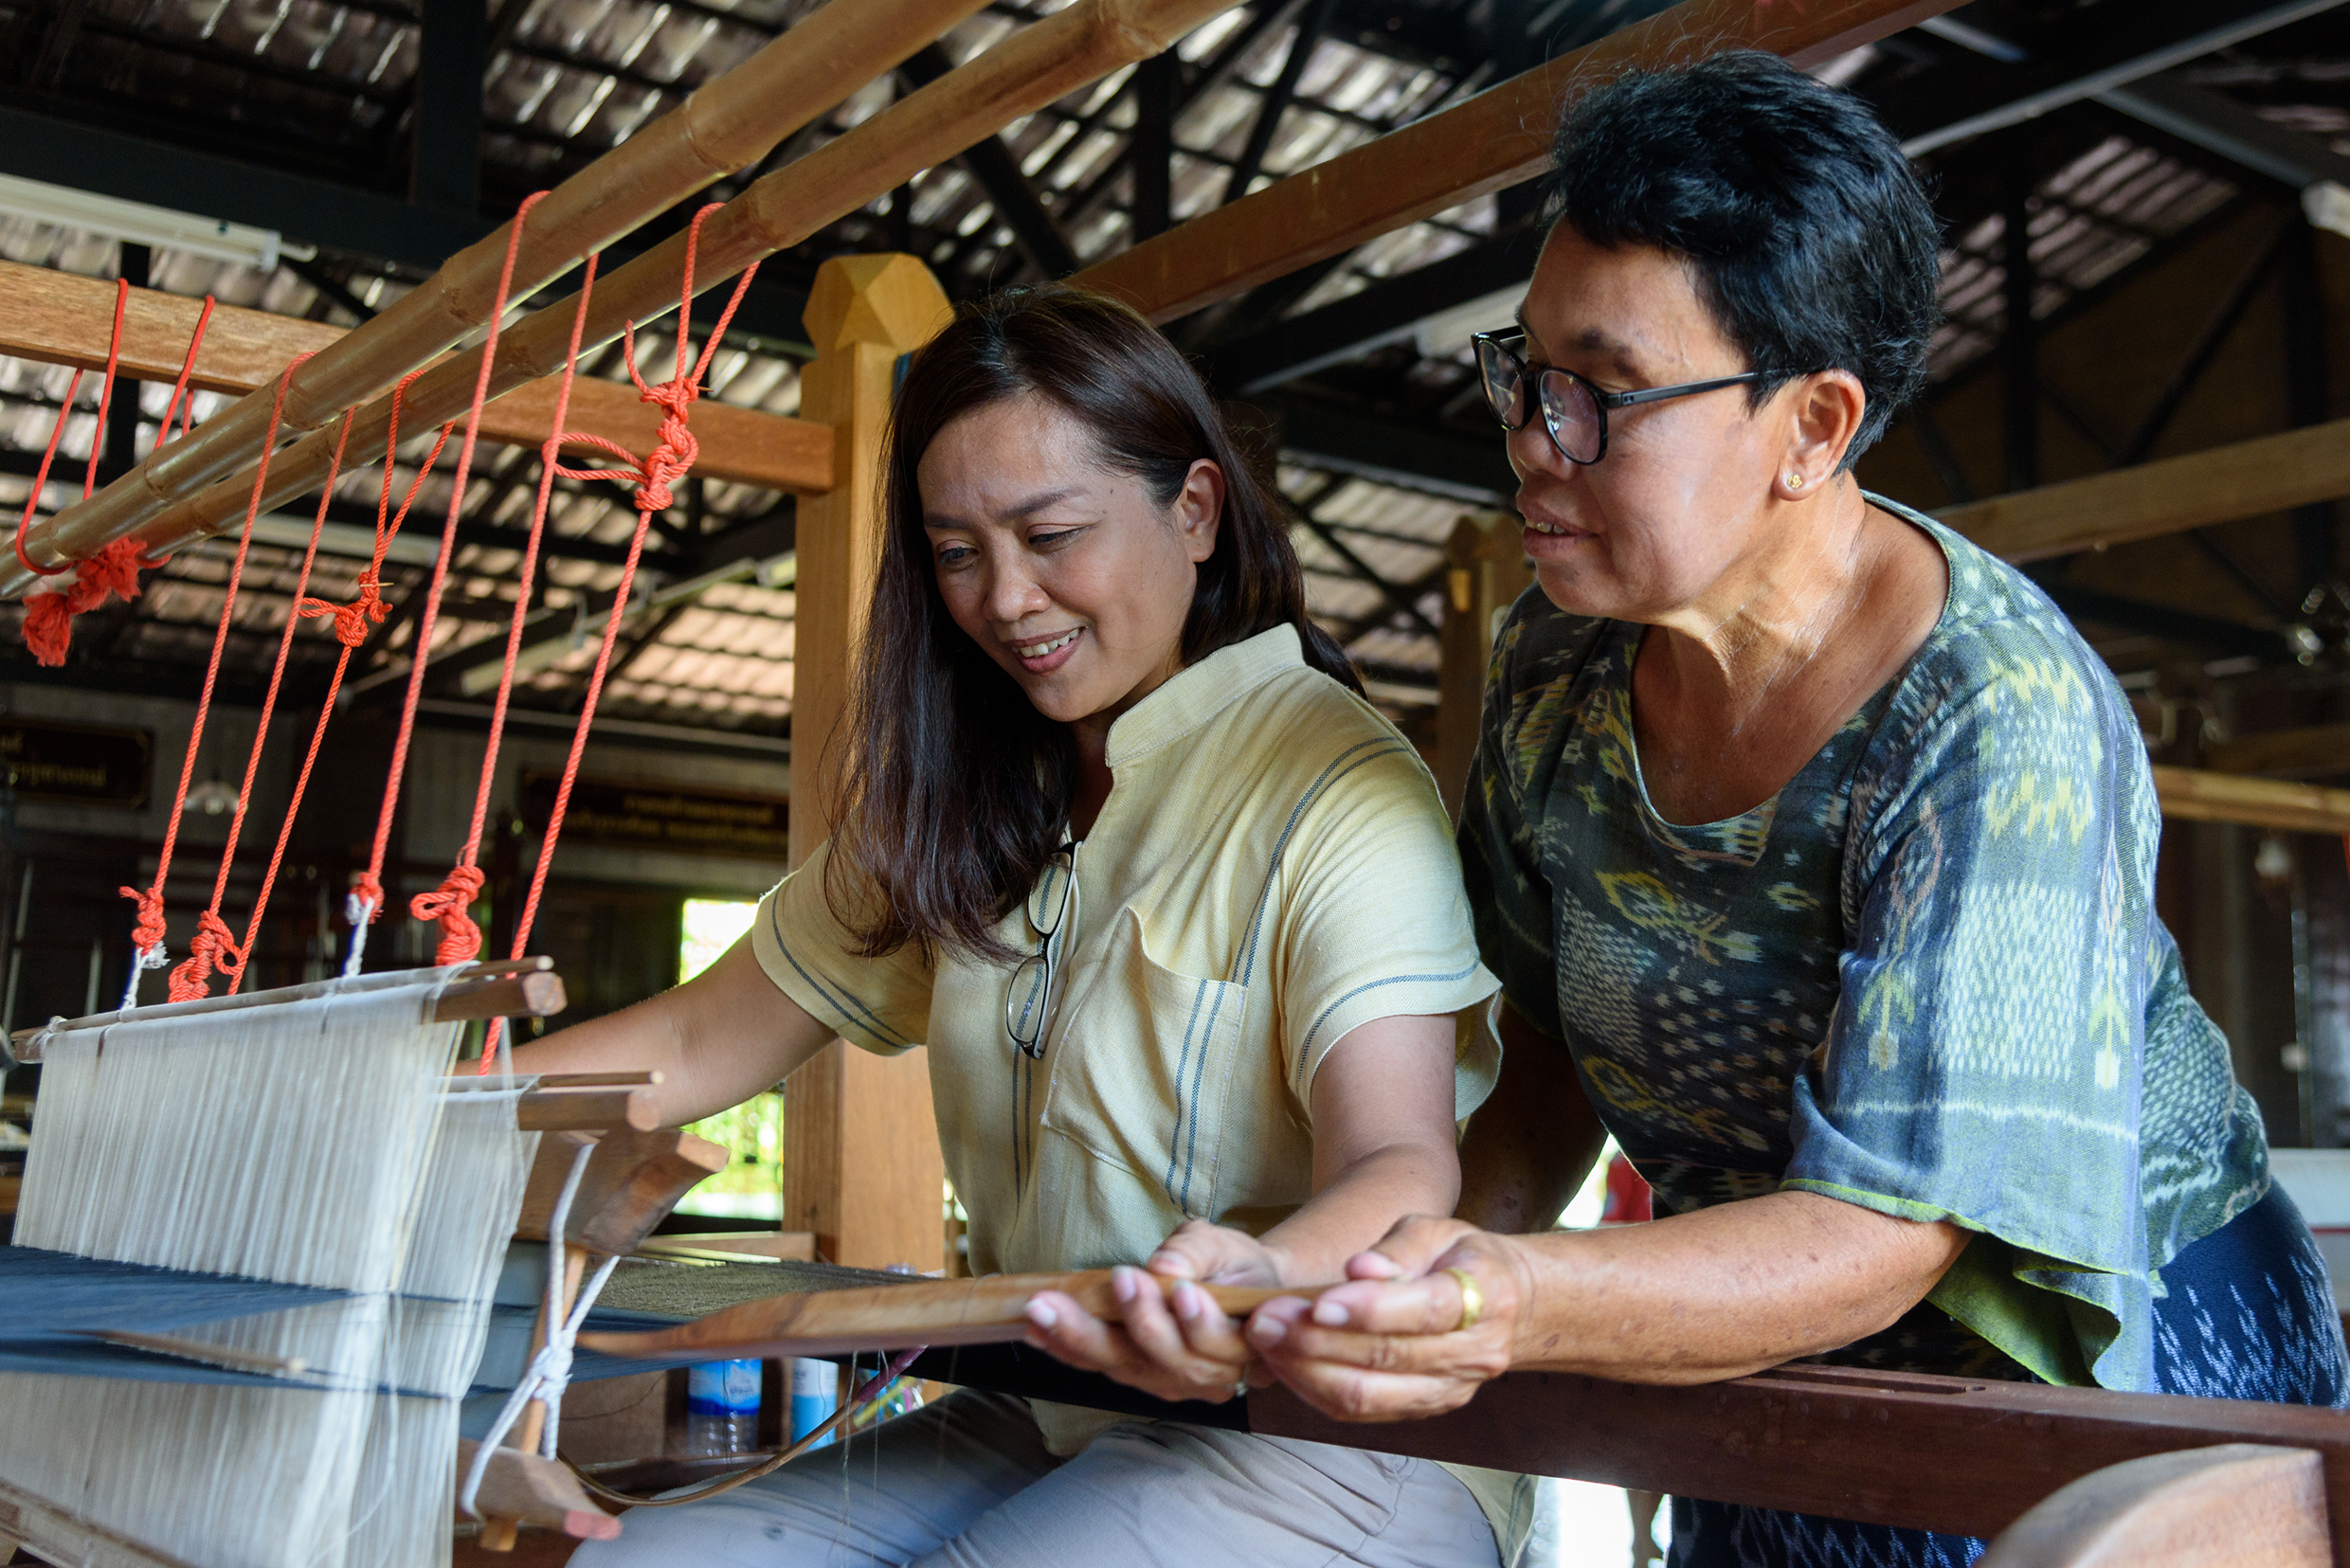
column 39, row 481
column 351, row 624
column 450, row 904
column 243, row 953
column 654, row 474
column 212, row 935
column 113, row 572
column 106, row 391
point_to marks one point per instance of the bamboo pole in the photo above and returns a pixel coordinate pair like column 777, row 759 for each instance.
column 64, row 318
column 1500, row 137
column 1043, row 62
column 729, row 124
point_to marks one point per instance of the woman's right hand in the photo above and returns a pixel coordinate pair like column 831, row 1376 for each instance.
column 1390, row 1344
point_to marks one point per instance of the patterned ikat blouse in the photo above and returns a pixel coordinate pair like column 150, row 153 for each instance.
column 1926, row 977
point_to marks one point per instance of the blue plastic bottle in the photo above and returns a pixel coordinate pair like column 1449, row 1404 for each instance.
column 815, row 1395
column 722, row 1407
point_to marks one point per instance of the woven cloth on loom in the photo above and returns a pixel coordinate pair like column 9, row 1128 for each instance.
column 52, row 1302
column 656, row 1293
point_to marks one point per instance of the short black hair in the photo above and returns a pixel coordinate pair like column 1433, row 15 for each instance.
column 1815, row 245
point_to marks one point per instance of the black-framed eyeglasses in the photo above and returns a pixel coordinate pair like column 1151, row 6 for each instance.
column 1050, row 904
column 1574, row 411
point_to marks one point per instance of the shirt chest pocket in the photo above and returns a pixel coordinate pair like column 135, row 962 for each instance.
column 1140, row 1062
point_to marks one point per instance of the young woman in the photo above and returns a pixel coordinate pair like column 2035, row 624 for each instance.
column 1178, row 916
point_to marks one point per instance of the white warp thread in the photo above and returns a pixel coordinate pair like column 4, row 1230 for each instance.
column 550, row 1371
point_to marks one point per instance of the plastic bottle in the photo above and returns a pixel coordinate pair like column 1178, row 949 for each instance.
column 815, row 1395
column 722, row 1408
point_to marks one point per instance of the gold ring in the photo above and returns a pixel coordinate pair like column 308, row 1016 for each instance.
column 1471, row 1300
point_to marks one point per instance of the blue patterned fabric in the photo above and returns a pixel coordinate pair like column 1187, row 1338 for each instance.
column 2248, row 1315
column 1925, row 978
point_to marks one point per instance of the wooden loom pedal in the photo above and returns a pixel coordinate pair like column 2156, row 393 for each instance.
column 525, row 1488
column 2233, row 1505
column 633, row 1179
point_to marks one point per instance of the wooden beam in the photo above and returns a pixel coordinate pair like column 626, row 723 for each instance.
column 62, row 319
column 632, row 1181
column 1486, row 571
column 862, row 1163
column 2312, row 748
column 2246, row 478
column 163, row 502
column 1900, row 1449
column 2194, row 796
column 1500, row 137
column 729, row 124
column 56, row 1536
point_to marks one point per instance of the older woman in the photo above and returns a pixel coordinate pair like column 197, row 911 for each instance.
column 1815, row 852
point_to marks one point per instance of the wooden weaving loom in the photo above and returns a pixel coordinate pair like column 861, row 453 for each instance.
column 2065, row 1476
column 312, row 1137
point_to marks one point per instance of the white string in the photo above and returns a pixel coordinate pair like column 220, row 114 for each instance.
column 312, row 1142
column 149, row 958
column 550, row 1371
column 359, row 911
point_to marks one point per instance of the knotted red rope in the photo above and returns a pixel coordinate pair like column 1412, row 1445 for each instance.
column 447, row 903
column 188, row 981
column 113, row 572
column 653, row 475
column 237, row 953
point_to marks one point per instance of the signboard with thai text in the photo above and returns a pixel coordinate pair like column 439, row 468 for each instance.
column 664, row 816
column 76, row 763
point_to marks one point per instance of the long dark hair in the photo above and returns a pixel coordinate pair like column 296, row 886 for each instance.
column 954, row 789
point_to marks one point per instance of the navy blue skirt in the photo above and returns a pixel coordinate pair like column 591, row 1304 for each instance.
column 2249, row 1315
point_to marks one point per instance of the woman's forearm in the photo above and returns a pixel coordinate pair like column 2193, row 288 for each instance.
column 1534, row 1140
column 1723, row 1291
column 715, row 1040
column 1357, row 1206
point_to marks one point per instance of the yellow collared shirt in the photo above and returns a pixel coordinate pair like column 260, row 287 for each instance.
column 1272, row 869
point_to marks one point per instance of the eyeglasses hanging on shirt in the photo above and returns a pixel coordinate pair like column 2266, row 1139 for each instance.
column 1051, row 908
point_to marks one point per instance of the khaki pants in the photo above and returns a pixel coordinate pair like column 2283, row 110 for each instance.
column 968, row 1484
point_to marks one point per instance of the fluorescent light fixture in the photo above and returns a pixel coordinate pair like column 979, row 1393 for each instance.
column 2328, row 205
column 1446, row 331
column 286, row 533
column 143, row 225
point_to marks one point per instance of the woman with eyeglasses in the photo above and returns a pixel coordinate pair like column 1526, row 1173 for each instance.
column 1814, row 851
column 1177, row 913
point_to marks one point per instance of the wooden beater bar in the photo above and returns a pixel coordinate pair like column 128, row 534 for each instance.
column 1044, row 60
column 990, row 1310
column 525, row 987
column 728, row 124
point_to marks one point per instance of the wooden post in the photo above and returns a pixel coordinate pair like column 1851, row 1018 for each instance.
column 1487, row 572
column 861, row 1165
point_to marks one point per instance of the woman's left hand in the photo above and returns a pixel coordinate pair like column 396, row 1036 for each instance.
column 1400, row 1339
column 1176, row 1344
